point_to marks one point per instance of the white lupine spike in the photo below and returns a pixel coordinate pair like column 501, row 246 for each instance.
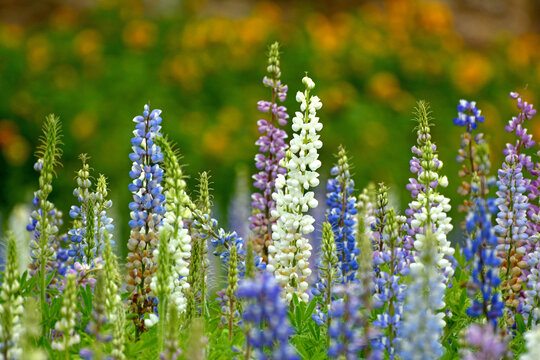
column 293, row 200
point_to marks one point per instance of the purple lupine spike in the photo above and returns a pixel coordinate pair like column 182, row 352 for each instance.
column 272, row 148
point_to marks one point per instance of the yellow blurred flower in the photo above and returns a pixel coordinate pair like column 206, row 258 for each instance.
column 11, row 35
column 268, row 10
column 38, row 53
column 88, row 44
column 253, row 30
column 84, row 125
column 184, row 69
column 140, row 34
column 215, row 142
column 230, row 119
column 471, row 71
column 337, row 96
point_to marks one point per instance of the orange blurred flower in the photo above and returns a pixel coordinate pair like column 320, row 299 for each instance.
column 14, row 147
column 140, row 34
column 384, row 86
column 215, row 142
column 523, row 50
column 471, row 71
column 435, row 17
column 88, row 44
column 11, row 35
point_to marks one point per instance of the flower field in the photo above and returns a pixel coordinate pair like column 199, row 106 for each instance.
column 356, row 242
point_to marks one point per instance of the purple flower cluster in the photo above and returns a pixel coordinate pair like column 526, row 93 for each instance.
column 267, row 314
column 272, row 148
column 487, row 343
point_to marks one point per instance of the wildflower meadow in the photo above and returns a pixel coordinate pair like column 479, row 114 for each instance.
column 289, row 276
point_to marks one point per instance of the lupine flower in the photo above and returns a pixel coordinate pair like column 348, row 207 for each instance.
column 97, row 322
column 172, row 349
column 511, row 228
column 232, row 286
column 119, row 334
column 341, row 214
column 68, row 312
column 112, row 279
column 532, row 344
column 480, row 247
column 391, row 290
column 177, row 209
column 345, row 330
column 80, row 250
column 487, row 342
column 377, row 239
column 162, row 285
column 267, row 313
column 44, row 225
column 429, row 208
column 272, row 149
column 422, row 325
column 196, row 347
column 30, row 324
column 364, row 275
column 289, row 255
column 473, row 155
column 11, row 307
column 328, row 272
column 147, row 211
column 481, row 240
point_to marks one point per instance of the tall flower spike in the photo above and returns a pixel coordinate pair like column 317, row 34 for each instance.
column 119, row 334
column 377, row 240
column 66, row 324
column 177, row 207
column 272, row 149
column 267, row 314
column 328, row 271
column 172, row 349
column 232, row 286
column 480, row 236
column 43, row 224
column 95, row 327
column 391, row 290
column 365, row 276
column 112, row 279
column 239, row 207
column 429, row 208
column 511, row 228
column 11, row 307
column 79, row 214
column 422, row 326
column 341, row 214
column 204, row 205
column 147, row 211
column 162, row 285
column 289, row 255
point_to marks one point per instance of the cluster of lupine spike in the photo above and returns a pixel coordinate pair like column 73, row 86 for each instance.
column 382, row 279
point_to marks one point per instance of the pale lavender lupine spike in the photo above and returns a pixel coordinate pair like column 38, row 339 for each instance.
column 272, row 148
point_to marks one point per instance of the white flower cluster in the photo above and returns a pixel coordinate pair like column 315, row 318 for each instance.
column 177, row 209
column 436, row 217
column 11, row 307
column 532, row 344
column 290, row 252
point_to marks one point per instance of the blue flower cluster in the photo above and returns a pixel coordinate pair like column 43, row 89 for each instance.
column 147, row 207
column 268, row 314
column 390, row 291
column 341, row 214
column 468, row 115
column 346, row 337
column 222, row 241
column 480, row 246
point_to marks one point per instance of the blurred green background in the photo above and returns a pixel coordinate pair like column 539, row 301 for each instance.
column 95, row 63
